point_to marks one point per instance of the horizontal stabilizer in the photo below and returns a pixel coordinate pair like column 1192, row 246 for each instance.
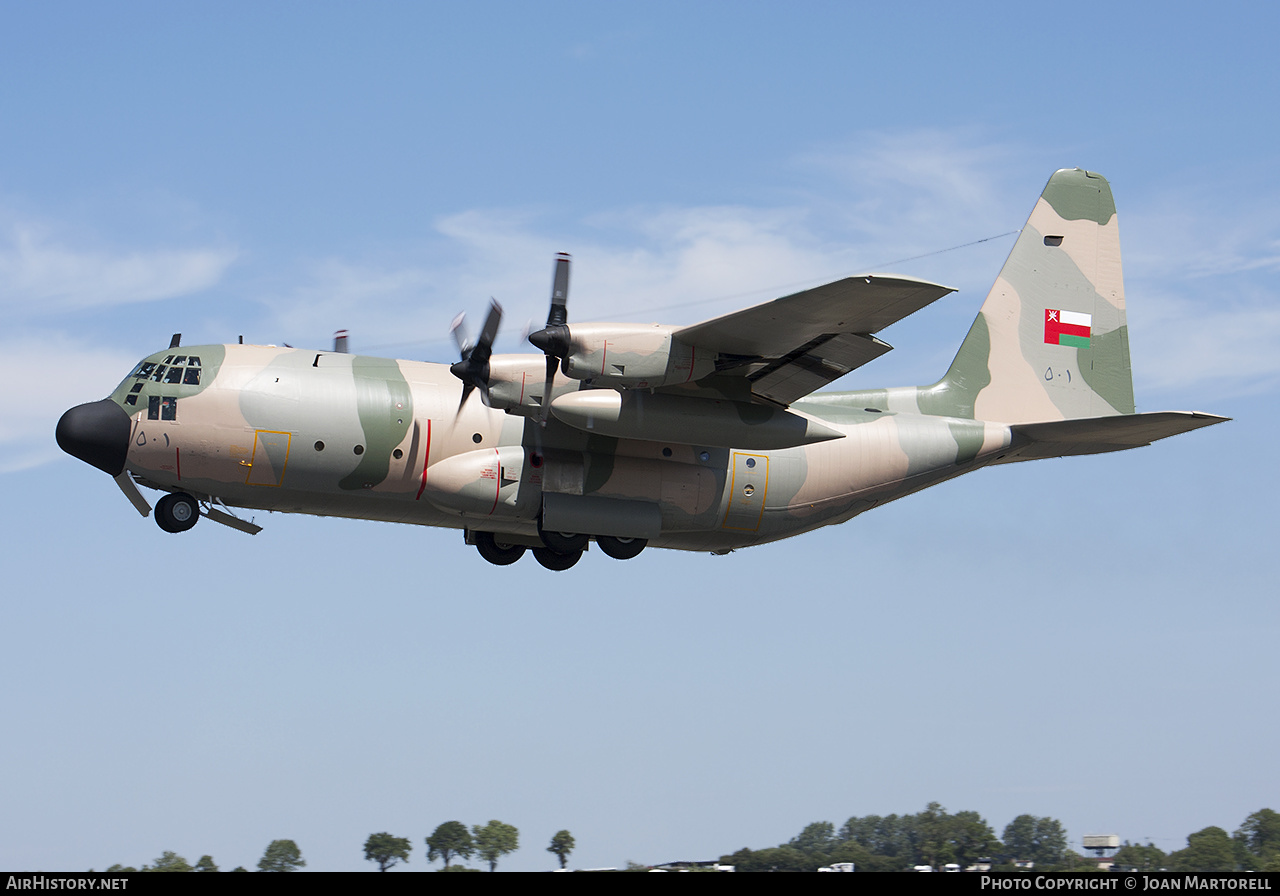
column 1098, row 435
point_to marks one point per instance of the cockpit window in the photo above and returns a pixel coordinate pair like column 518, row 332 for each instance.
column 153, row 407
column 168, row 409
column 193, row 361
column 181, row 359
column 144, row 369
column 175, row 375
column 169, row 359
column 159, row 374
column 192, row 377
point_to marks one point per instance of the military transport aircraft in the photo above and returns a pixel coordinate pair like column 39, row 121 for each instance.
column 707, row 437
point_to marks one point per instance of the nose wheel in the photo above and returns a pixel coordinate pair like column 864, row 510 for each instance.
column 177, row 512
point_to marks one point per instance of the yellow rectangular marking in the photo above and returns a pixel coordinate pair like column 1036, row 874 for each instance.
column 739, row 457
column 288, row 443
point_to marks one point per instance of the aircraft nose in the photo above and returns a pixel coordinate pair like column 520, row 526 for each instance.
column 97, row 433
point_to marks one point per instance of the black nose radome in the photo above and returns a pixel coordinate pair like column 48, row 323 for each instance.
column 97, row 433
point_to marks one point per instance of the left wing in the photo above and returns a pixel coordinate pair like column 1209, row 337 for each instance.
column 794, row 345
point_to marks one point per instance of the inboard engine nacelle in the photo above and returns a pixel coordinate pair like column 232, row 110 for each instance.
column 633, row 356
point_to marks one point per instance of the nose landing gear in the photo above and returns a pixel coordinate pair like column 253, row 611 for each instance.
column 177, row 512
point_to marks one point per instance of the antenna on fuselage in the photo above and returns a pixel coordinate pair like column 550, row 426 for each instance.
column 174, row 342
column 340, row 342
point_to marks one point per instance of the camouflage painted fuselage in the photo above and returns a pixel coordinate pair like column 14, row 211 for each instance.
column 709, row 437
column 299, row 431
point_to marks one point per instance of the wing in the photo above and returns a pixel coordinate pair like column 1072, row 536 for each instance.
column 792, row 346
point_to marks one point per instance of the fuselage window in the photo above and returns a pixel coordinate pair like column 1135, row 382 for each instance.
column 153, row 407
column 192, row 377
column 168, row 409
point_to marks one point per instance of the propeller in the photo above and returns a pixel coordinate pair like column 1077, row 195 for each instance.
column 473, row 368
column 553, row 339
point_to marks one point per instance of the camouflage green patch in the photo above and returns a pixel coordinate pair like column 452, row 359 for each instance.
column 211, row 358
column 851, row 409
column 1105, row 367
column 969, row 437
column 753, row 414
column 1079, row 196
column 956, row 394
column 385, row 406
column 601, row 451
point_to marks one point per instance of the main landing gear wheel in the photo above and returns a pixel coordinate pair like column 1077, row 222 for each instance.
column 177, row 512
column 621, row 548
column 562, row 542
column 554, row 560
column 496, row 552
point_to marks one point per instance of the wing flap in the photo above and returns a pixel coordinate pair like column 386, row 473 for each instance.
column 814, row 365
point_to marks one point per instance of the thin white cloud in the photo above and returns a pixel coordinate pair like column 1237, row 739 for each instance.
column 1199, row 270
column 1196, row 347
column 882, row 197
column 891, row 197
column 70, row 371
column 43, row 276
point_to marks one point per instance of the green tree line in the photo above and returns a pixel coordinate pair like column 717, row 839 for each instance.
column 1255, row 846
column 450, row 843
column 935, row 837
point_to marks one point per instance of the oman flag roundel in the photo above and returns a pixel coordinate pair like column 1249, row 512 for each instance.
column 1067, row 327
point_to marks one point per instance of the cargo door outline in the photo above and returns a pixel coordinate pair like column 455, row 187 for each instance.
column 270, row 457
column 748, row 487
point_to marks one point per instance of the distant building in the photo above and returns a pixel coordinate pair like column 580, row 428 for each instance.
column 1101, row 849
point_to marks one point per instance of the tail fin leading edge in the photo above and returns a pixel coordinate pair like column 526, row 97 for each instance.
column 1051, row 341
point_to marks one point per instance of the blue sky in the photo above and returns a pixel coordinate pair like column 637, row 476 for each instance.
column 1090, row 639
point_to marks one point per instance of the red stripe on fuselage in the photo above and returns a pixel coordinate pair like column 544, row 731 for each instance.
column 497, row 483
column 426, row 459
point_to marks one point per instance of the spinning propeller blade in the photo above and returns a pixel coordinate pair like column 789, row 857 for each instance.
column 473, row 368
column 553, row 339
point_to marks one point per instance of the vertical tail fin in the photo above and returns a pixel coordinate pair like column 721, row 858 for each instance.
column 1051, row 341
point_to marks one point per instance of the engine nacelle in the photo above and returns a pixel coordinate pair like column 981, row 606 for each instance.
column 487, row 483
column 516, row 384
column 688, row 420
column 633, row 356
